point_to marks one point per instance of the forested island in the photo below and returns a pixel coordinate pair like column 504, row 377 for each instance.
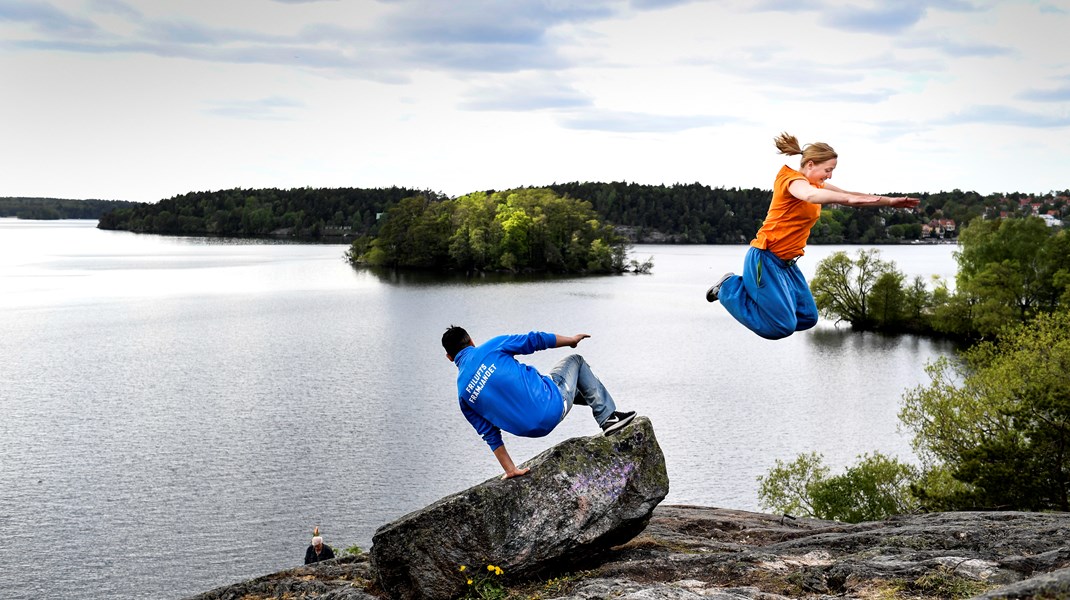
column 58, row 208
column 526, row 230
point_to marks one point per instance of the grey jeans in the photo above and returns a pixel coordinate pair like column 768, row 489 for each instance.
column 579, row 385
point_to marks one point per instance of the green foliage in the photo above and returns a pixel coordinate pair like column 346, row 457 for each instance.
column 993, row 427
column 515, row 230
column 843, row 287
column 916, row 301
column 413, row 233
column 1010, row 271
column 992, row 430
column 686, row 213
column 695, row 213
column 483, row 585
column 888, row 299
column 830, row 227
column 875, row 488
column 788, row 487
column 350, row 551
column 999, row 421
column 306, row 213
column 681, row 213
column 58, row 208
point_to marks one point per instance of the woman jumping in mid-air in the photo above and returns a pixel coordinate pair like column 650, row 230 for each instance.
column 772, row 298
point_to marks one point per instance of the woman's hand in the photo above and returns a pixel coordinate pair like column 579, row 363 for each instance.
column 903, row 202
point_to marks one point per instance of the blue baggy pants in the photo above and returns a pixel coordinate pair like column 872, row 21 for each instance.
column 771, row 298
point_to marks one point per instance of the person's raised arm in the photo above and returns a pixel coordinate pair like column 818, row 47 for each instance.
column 506, row 462
column 570, row 340
column 830, row 194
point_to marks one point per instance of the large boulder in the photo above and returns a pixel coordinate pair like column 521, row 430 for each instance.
column 580, row 498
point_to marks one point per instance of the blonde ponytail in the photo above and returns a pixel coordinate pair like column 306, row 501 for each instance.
column 787, row 144
column 818, row 152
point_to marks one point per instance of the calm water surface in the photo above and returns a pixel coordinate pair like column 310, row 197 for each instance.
column 178, row 413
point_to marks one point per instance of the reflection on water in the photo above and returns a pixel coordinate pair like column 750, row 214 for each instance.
column 432, row 278
column 178, row 413
column 839, row 337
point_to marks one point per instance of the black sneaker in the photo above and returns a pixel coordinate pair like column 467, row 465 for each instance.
column 616, row 421
column 711, row 294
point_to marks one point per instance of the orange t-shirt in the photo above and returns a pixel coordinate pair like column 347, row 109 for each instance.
column 788, row 222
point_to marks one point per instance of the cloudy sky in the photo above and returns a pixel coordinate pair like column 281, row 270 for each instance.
column 146, row 99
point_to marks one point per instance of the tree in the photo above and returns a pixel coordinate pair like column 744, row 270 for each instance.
column 516, row 226
column 916, row 302
column 475, row 231
column 888, row 299
column 877, row 487
column 394, row 244
column 788, row 487
column 1010, row 271
column 999, row 421
column 874, row 488
column 600, row 257
column 842, row 286
column 1003, row 263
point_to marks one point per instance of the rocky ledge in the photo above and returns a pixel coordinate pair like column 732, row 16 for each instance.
column 696, row 552
column 585, row 523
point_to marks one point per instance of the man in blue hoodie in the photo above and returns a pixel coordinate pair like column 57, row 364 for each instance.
column 496, row 392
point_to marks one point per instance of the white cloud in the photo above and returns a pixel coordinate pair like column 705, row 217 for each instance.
column 523, row 93
column 1004, row 115
column 272, row 108
column 626, row 122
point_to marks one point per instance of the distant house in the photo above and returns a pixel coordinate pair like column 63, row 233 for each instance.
column 1051, row 221
column 938, row 228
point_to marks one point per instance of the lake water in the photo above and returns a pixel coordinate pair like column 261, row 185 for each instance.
column 178, row 413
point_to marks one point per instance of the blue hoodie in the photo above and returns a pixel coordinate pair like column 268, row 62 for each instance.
column 496, row 392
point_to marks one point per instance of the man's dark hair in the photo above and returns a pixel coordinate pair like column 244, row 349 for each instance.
column 455, row 339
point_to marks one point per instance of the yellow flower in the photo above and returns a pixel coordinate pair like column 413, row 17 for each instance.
column 463, row 567
column 491, row 568
column 497, row 571
column 469, row 582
